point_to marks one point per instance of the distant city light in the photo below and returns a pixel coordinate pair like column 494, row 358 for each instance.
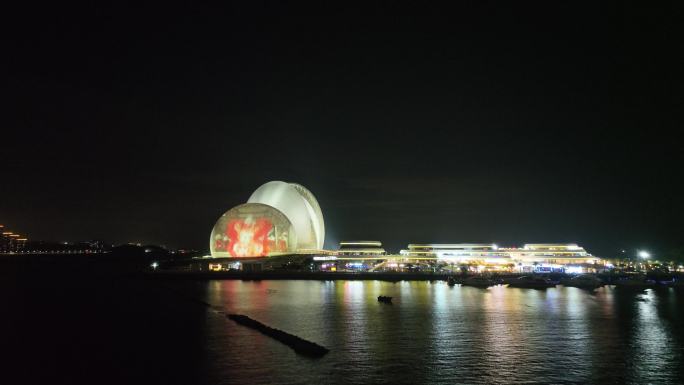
column 154, row 265
column 494, row 246
column 644, row 254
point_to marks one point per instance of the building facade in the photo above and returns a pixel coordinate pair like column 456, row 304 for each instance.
column 11, row 242
column 278, row 219
column 461, row 257
column 532, row 257
column 360, row 248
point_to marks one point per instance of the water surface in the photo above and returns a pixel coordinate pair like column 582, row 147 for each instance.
column 433, row 333
column 103, row 329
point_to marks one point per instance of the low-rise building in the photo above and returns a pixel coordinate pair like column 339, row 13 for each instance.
column 532, row 257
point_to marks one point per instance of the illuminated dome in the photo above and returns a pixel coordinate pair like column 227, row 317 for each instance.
column 279, row 218
column 253, row 230
column 299, row 206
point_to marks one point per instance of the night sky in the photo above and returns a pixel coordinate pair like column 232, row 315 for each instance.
column 410, row 123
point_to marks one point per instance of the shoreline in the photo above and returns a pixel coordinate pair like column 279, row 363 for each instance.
column 312, row 276
column 335, row 276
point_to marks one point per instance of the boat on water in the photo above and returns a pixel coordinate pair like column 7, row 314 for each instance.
column 584, row 281
column 634, row 283
column 451, row 281
column 531, row 282
column 478, row 281
column 666, row 283
column 385, row 299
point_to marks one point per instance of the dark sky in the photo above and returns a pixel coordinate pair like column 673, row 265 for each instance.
column 412, row 123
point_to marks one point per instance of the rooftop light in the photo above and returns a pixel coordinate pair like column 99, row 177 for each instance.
column 643, row 254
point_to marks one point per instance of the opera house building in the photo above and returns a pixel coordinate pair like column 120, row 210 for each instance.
column 284, row 219
column 279, row 218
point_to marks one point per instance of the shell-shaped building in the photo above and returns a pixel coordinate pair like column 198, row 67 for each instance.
column 278, row 218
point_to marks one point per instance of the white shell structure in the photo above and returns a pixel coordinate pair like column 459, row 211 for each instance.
column 299, row 206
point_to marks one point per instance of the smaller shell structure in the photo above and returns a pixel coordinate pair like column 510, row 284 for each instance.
column 253, row 230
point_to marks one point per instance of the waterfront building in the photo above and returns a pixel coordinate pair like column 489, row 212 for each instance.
column 532, row 257
column 459, row 257
column 4, row 239
column 20, row 244
column 11, row 242
column 279, row 218
column 283, row 219
column 360, row 248
column 353, row 256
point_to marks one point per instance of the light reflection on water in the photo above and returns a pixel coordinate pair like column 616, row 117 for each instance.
column 433, row 333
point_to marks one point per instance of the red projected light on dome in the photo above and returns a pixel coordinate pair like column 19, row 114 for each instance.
column 248, row 238
column 252, row 230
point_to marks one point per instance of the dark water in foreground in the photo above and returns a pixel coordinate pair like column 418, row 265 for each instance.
column 126, row 331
